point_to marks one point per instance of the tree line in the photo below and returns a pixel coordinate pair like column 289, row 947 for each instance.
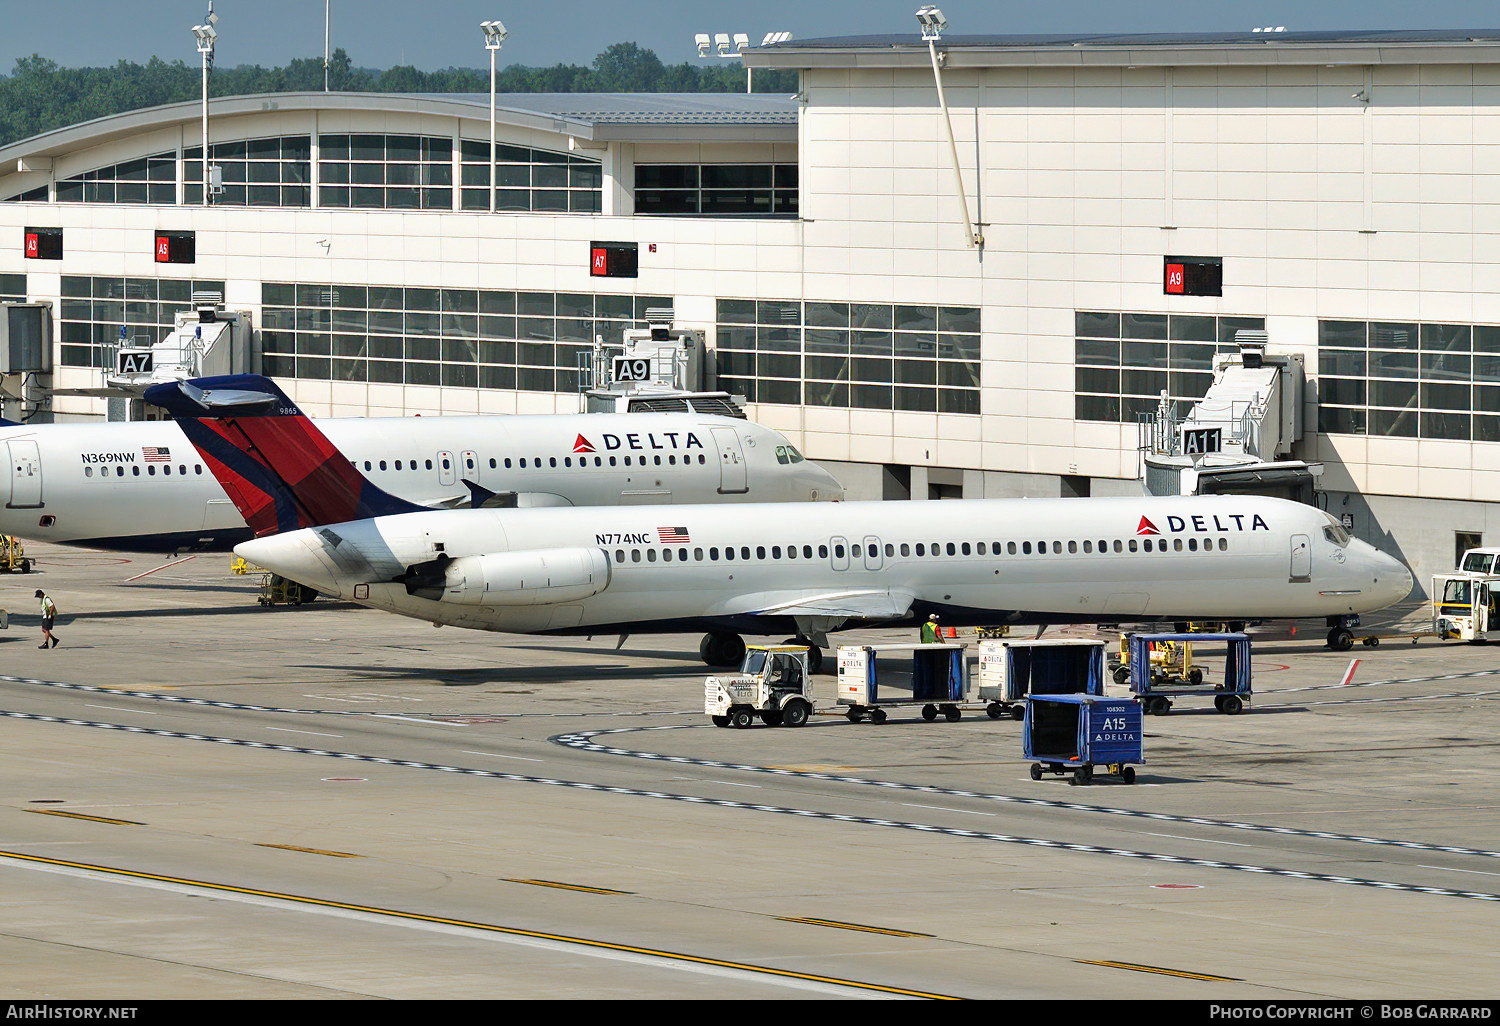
column 39, row 95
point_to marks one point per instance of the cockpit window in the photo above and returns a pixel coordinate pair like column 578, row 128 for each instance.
column 1336, row 533
column 788, row 454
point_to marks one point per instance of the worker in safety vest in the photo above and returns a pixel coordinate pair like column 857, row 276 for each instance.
column 931, row 634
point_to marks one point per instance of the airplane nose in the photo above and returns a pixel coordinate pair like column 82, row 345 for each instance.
column 824, row 487
column 296, row 555
column 1393, row 580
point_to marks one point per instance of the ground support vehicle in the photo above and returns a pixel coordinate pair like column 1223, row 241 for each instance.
column 1155, row 691
column 1171, row 659
column 1083, row 733
column 772, row 685
column 874, row 677
column 1466, row 605
column 1011, row 670
column 13, row 555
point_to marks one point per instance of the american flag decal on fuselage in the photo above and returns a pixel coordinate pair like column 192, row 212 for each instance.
column 156, row 453
column 673, row 535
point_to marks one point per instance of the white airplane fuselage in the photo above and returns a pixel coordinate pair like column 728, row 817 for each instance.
column 141, row 486
column 818, row 567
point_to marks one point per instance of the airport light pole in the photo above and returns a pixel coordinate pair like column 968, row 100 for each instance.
column 733, row 47
column 206, row 37
column 494, row 35
column 932, row 21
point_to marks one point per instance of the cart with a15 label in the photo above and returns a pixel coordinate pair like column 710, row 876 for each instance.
column 1087, row 734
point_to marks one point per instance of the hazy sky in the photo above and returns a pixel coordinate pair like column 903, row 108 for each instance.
column 443, row 33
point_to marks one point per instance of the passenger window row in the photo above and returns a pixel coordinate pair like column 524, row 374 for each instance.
column 744, row 553
column 135, row 471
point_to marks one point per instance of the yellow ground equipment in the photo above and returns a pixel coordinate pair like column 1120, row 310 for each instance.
column 1171, row 663
column 274, row 590
column 13, row 556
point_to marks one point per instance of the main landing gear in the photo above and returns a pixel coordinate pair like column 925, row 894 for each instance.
column 728, row 650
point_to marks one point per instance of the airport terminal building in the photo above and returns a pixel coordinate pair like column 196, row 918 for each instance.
column 1121, row 208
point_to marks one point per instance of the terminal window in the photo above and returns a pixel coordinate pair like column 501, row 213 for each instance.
column 529, row 179
column 12, row 288
column 1123, row 360
column 150, row 179
column 1409, row 380
column 716, row 190
column 459, row 338
column 92, row 310
column 272, row 172
column 872, row 356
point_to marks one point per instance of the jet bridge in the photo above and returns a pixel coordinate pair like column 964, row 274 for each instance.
column 659, row 369
column 1240, row 437
column 205, row 341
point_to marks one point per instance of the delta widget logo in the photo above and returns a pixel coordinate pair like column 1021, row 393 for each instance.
column 582, row 444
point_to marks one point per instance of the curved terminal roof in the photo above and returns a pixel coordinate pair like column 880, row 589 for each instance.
column 1402, row 46
column 596, row 117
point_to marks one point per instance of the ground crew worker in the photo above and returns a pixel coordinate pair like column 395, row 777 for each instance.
column 931, row 634
column 49, row 617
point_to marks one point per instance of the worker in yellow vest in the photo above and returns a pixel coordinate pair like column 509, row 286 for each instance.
column 931, row 633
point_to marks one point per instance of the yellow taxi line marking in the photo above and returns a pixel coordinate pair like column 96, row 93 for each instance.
column 79, row 815
column 310, row 851
column 567, row 886
column 510, row 931
column 853, row 926
column 1158, row 970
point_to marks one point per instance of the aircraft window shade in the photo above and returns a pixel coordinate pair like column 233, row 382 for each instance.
column 905, row 549
column 666, row 555
column 1118, row 547
column 1177, row 544
column 890, row 550
column 635, row 555
column 1088, row 546
column 1133, row 545
column 88, row 471
column 697, row 555
column 619, row 555
column 1223, row 544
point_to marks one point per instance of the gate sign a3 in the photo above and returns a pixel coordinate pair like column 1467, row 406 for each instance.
column 1198, row 441
column 631, row 368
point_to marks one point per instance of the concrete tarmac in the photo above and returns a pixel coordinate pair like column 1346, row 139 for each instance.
column 210, row 799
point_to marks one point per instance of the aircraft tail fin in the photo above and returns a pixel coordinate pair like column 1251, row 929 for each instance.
column 281, row 472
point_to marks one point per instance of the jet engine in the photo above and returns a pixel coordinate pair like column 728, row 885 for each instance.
column 531, row 578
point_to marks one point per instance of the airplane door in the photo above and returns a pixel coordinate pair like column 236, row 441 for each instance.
column 872, row 553
column 25, row 475
column 1483, row 603
column 732, row 477
column 447, row 472
column 838, row 553
column 470, row 464
column 1301, row 558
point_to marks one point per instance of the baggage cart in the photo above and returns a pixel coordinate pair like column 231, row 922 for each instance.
column 874, row 677
column 1155, row 689
column 1087, row 734
column 1010, row 670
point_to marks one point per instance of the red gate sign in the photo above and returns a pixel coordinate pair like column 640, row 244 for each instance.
column 600, row 267
column 1176, row 280
column 163, row 249
column 31, row 245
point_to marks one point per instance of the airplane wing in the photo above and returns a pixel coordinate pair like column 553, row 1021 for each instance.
column 861, row 603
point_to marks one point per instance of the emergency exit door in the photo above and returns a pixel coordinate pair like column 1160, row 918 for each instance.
column 732, row 477
column 25, row 475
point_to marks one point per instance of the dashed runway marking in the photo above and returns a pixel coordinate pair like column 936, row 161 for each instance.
column 928, row 828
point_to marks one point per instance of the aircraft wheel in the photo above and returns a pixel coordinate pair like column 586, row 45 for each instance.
column 814, row 659
column 1341, row 639
column 929, row 713
column 794, row 713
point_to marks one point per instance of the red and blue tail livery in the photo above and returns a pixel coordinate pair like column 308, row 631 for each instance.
column 278, row 468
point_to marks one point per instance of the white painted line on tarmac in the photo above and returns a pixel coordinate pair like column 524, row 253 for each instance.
column 1447, row 869
column 1183, row 837
column 940, row 808
column 414, row 719
column 497, row 755
column 289, row 730
column 116, row 708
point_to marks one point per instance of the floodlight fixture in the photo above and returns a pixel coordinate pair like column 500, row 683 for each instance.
column 721, row 42
column 206, row 36
column 932, row 21
column 741, row 42
column 772, row 38
column 494, row 34
column 704, row 42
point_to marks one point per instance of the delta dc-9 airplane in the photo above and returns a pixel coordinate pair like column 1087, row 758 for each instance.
column 804, row 569
column 141, row 487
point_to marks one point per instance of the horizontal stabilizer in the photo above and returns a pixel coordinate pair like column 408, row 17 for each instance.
column 481, row 497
